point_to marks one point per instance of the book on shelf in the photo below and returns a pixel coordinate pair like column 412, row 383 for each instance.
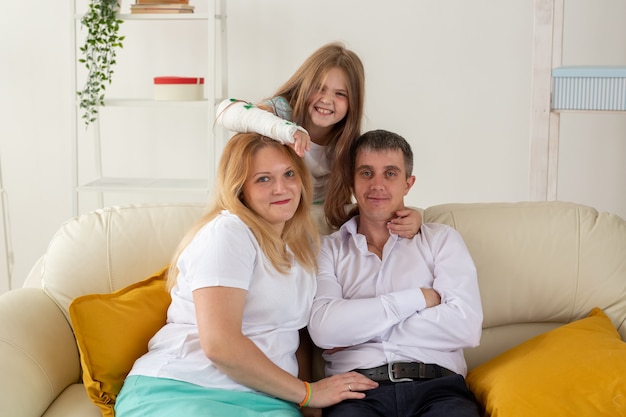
column 161, row 8
column 161, row 1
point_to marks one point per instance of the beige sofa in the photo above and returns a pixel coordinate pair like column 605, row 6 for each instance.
column 540, row 265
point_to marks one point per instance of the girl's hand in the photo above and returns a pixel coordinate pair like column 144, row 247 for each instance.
column 336, row 388
column 407, row 224
column 301, row 142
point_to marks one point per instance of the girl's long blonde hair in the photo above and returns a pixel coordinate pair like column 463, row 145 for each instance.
column 310, row 76
column 299, row 233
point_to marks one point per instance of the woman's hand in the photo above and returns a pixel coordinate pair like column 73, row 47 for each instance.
column 407, row 223
column 336, row 388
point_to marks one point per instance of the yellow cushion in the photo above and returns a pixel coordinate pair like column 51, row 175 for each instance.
column 578, row 369
column 113, row 330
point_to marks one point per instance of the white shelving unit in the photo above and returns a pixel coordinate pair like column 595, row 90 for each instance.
column 544, row 135
column 545, row 123
column 89, row 156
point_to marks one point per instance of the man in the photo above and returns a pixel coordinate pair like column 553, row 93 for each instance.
column 399, row 311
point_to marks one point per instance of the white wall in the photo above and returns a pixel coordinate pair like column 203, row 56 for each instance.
column 592, row 163
column 35, row 125
column 452, row 76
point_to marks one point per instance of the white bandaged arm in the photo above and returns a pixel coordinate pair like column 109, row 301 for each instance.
column 241, row 116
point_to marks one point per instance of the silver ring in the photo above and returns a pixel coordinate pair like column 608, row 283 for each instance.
column 349, row 387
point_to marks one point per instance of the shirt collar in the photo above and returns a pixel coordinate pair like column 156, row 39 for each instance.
column 349, row 230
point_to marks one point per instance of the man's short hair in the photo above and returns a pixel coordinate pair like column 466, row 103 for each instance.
column 383, row 140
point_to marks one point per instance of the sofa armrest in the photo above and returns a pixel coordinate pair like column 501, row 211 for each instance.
column 38, row 353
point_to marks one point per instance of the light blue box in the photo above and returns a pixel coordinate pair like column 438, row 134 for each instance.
column 601, row 88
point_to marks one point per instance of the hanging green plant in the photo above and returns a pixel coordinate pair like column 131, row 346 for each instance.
column 98, row 54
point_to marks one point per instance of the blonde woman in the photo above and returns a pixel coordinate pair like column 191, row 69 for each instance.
column 242, row 285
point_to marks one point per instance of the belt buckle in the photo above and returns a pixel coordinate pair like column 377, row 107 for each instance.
column 392, row 378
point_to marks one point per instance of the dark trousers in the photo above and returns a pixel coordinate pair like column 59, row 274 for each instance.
column 440, row 397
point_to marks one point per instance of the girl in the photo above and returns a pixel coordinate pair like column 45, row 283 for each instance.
column 318, row 113
column 242, row 285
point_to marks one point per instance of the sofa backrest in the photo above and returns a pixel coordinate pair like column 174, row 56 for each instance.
column 540, row 265
column 111, row 248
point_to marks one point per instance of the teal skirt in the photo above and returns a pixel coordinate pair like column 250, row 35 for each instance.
column 143, row 396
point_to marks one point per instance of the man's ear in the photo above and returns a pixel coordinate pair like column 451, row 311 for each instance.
column 409, row 183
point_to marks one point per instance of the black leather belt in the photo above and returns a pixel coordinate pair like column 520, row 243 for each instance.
column 405, row 371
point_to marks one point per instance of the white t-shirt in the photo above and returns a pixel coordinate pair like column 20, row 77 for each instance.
column 319, row 165
column 226, row 253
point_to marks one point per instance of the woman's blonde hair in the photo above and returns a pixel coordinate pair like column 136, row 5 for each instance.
column 299, row 233
column 310, row 76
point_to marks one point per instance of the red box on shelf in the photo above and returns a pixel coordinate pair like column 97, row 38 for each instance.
column 173, row 88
